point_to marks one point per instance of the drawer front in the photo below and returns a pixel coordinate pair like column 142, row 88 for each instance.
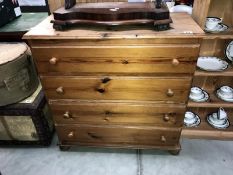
column 158, row 58
column 117, row 88
column 118, row 113
column 123, row 52
column 117, row 135
column 77, row 66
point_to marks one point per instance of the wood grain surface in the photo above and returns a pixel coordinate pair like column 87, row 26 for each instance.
column 101, row 66
column 118, row 88
column 118, row 135
column 72, row 60
column 121, row 87
column 107, row 113
column 182, row 27
column 159, row 50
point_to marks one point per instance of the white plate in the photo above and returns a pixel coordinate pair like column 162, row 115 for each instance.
column 229, row 51
column 205, row 98
column 181, row 8
column 196, row 123
column 219, row 28
column 224, row 126
column 211, row 64
column 223, row 98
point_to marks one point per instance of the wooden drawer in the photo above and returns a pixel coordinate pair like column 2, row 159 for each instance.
column 94, row 135
column 124, row 52
column 67, row 66
column 117, row 88
column 102, row 113
column 157, row 58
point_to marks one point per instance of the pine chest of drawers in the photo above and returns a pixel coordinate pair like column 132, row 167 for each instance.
column 122, row 88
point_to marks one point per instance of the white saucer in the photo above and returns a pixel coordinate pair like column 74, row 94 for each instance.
column 219, row 28
column 204, row 99
column 229, row 51
column 223, row 98
column 217, row 126
column 211, row 64
column 196, row 123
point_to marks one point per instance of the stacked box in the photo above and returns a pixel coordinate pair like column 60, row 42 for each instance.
column 28, row 122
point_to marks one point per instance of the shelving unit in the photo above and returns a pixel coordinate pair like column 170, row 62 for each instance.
column 205, row 131
column 227, row 73
column 212, row 45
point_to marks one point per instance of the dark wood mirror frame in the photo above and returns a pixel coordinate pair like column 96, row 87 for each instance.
column 112, row 14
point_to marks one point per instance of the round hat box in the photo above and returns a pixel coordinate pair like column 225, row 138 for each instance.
column 18, row 77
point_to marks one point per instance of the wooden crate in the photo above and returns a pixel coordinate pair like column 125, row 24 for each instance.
column 28, row 122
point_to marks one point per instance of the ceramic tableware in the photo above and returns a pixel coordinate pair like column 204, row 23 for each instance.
column 191, row 119
column 229, row 51
column 212, row 22
column 225, row 93
column 211, row 64
column 219, row 28
column 218, row 119
column 181, row 8
column 222, row 115
column 198, row 95
column 219, row 124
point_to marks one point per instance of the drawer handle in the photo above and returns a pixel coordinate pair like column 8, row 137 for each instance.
column 105, row 80
column 163, row 139
column 125, row 62
column 170, row 93
column 53, row 60
column 175, row 62
column 67, row 115
column 60, row 90
column 71, row 134
column 166, row 118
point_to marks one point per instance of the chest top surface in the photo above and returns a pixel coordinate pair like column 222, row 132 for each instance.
column 183, row 26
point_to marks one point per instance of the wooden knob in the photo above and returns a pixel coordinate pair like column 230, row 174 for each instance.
column 60, row 90
column 166, row 118
column 170, row 93
column 175, row 62
column 53, row 61
column 71, row 134
column 163, row 139
column 67, row 115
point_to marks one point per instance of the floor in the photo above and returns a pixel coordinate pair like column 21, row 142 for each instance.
column 198, row 157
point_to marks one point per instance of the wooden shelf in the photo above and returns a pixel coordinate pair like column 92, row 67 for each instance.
column 213, row 44
column 223, row 35
column 226, row 73
column 213, row 102
column 205, row 131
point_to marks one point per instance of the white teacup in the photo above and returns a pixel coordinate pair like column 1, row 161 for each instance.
column 222, row 115
column 189, row 118
column 226, row 92
column 196, row 93
column 212, row 22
